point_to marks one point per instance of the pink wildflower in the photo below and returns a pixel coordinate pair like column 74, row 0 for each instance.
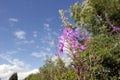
column 76, row 33
column 61, row 45
column 82, row 47
column 67, row 32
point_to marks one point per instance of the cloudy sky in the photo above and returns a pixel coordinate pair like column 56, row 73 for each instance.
column 28, row 29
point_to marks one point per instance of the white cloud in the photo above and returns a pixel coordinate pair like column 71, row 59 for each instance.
column 46, row 27
column 15, row 65
column 20, row 49
column 13, row 20
column 55, row 33
column 50, row 19
column 49, row 43
column 12, row 52
column 47, row 39
column 21, row 38
column 7, row 70
column 11, row 60
column 23, row 42
column 37, row 46
column 35, row 34
column 28, row 42
column 38, row 54
column 47, row 49
column 41, row 54
column 20, row 34
column 66, row 11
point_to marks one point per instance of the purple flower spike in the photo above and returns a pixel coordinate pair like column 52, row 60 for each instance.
column 82, row 47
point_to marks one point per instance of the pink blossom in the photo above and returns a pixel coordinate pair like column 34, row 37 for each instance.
column 82, row 47
column 61, row 45
column 67, row 31
column 74, row 44
column 62, row 38
column 76, row 33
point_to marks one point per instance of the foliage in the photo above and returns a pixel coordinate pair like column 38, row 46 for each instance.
column 56, row 71
column 14, row 77
column 53, row 71
column 34, row 76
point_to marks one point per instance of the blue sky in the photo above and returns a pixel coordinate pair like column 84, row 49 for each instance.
column 28, row 29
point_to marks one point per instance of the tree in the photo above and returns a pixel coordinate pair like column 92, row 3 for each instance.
column 35, row 76
column 14, row 77
column 53, row 71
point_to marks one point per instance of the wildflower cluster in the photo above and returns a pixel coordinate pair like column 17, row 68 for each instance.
column 73, row 37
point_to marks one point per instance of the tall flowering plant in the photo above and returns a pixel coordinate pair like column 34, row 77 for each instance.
column 74, row 42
